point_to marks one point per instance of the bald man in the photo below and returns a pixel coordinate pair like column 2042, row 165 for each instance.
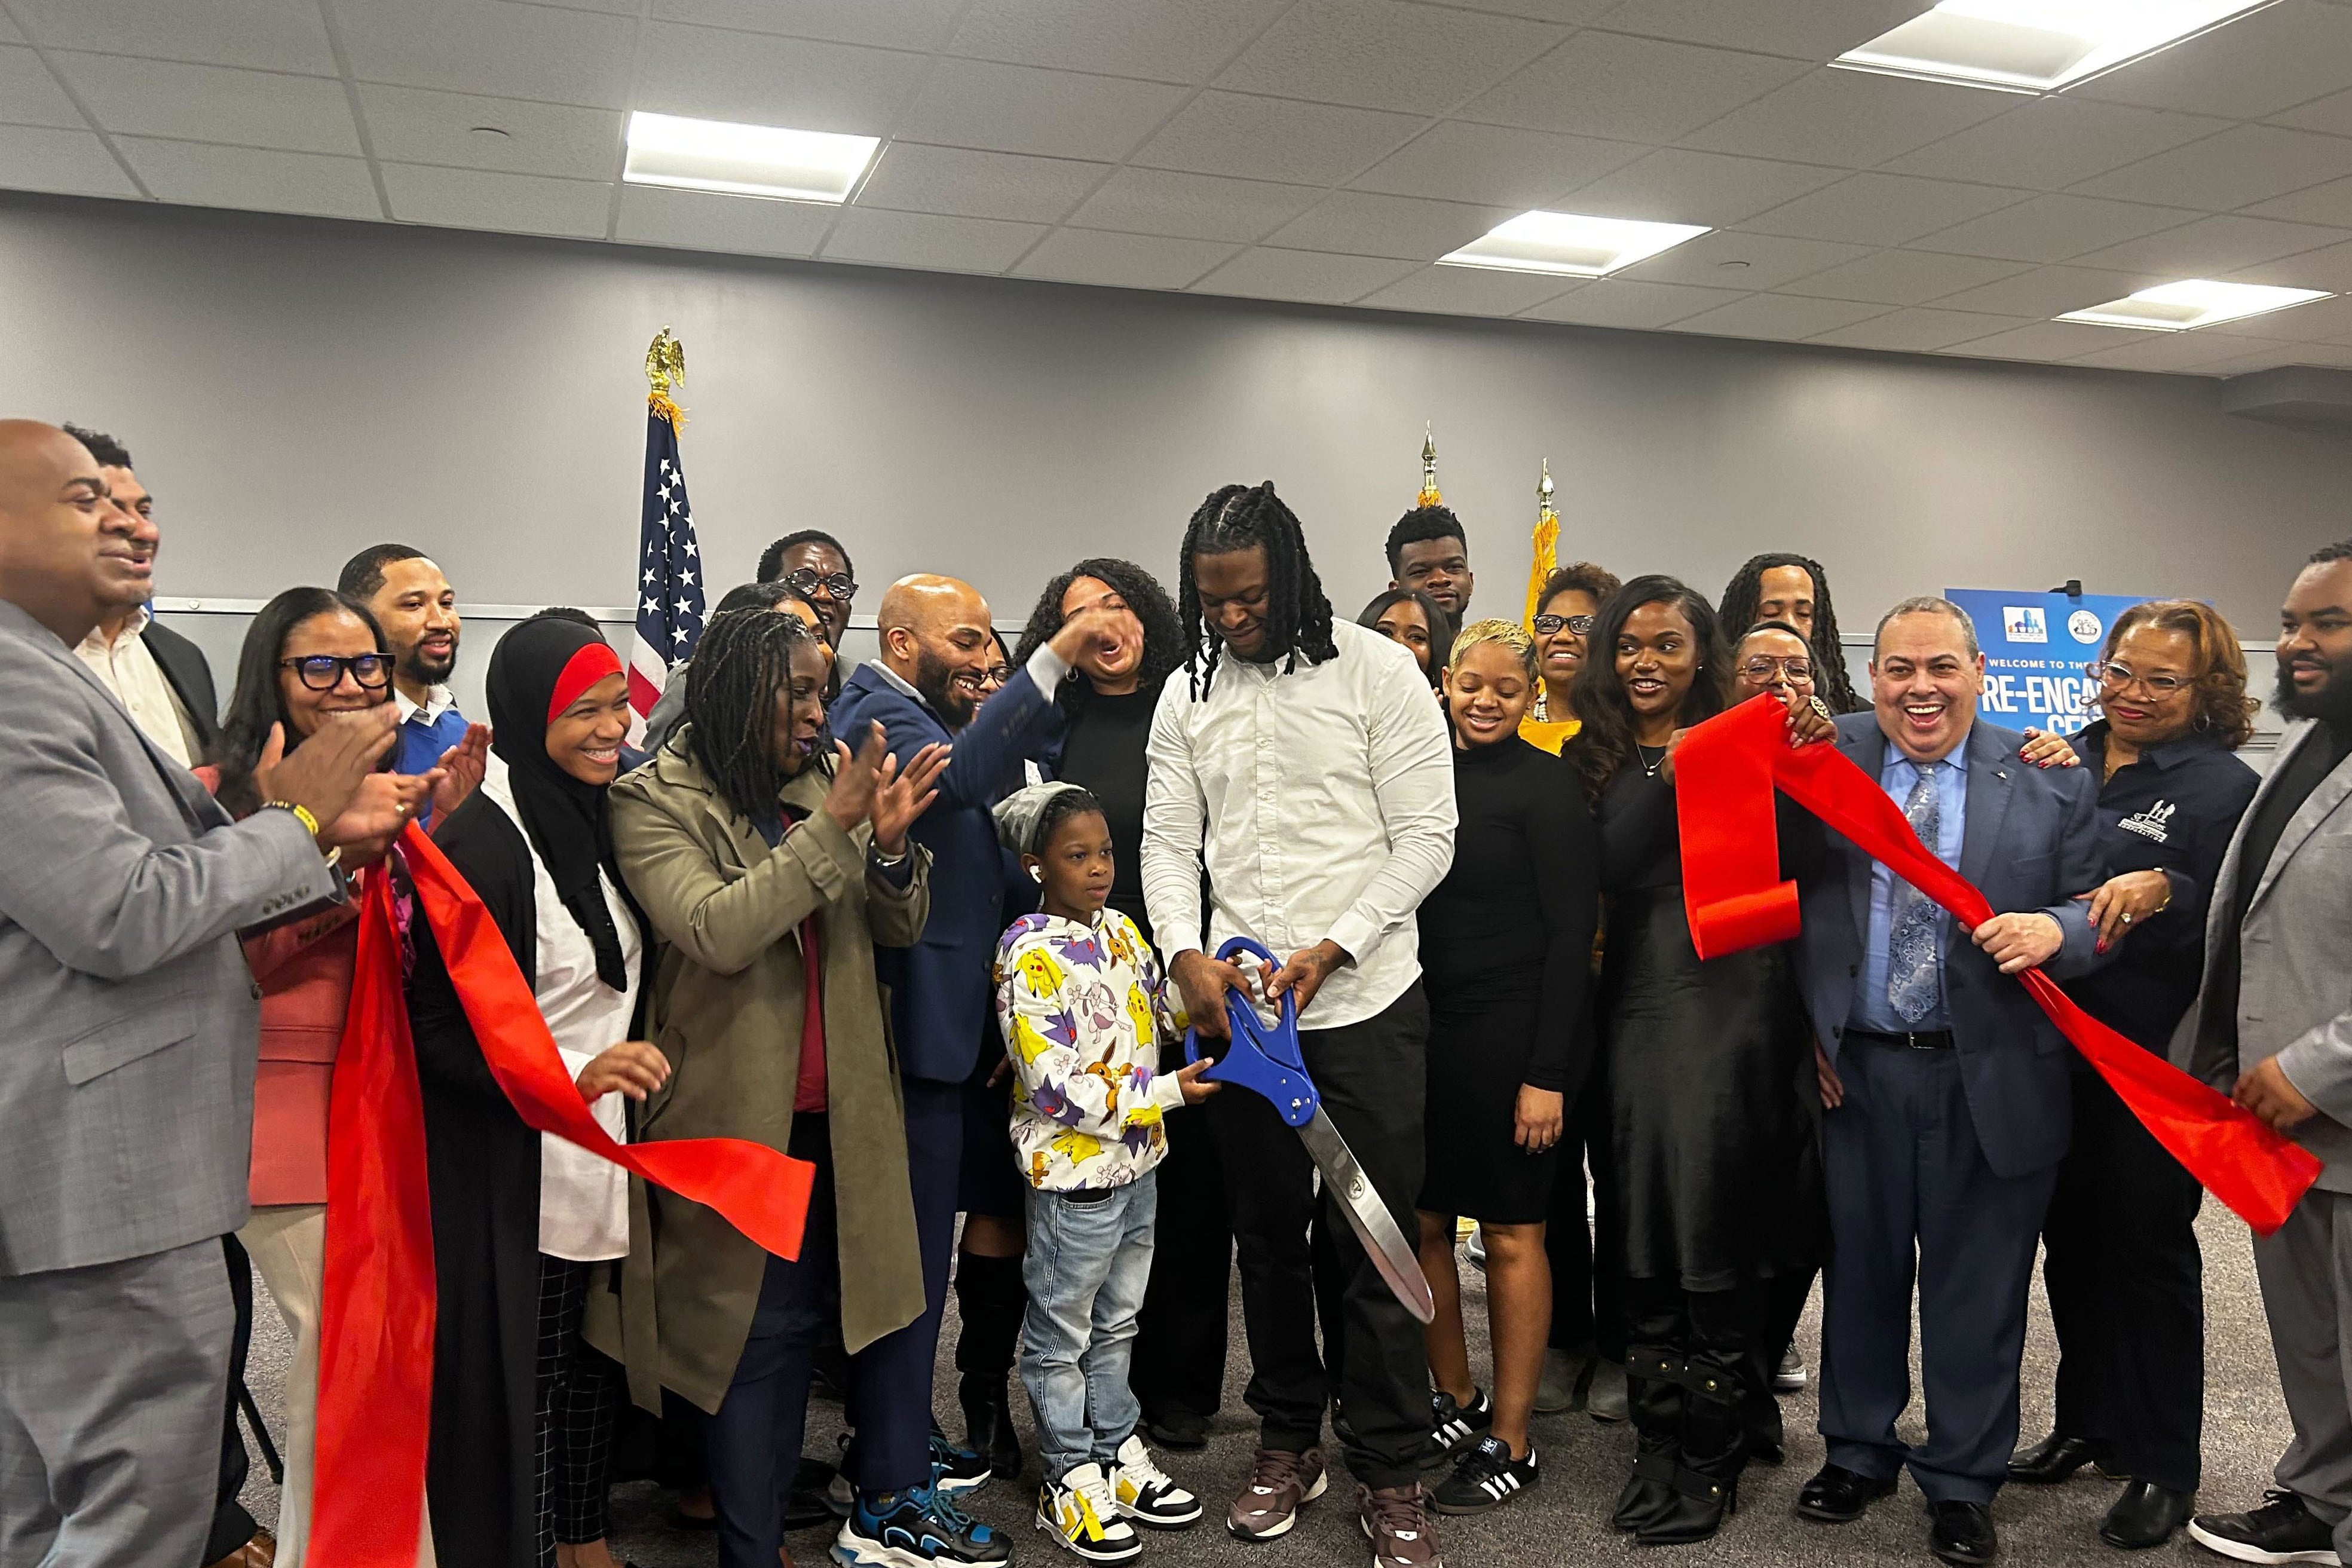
column 126, row 1083
column 937, row 645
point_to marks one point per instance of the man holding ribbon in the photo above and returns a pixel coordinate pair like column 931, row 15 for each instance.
column 1940, row 1160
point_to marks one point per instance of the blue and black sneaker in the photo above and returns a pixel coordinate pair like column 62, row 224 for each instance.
column 956, row 1470
column 919, row 1528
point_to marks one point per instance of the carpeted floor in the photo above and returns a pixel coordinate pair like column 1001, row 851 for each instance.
column 1566, row 1518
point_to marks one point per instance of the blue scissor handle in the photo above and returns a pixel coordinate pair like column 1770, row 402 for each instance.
column 1261, row 1057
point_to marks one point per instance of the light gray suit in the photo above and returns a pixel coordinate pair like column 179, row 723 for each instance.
column 126, row 1111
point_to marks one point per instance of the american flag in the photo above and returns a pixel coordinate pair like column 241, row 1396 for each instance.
column 669, row 576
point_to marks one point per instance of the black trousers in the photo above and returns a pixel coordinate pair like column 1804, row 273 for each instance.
column 2127, row 1294
column 1370, row 1076
column 232, row 1526
column 1182, row 1333
column 1588, row 1256
column 580, row 1393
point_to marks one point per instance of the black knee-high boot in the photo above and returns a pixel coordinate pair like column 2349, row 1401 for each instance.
column 1655, row 1375
column 1716, row 1373
column 991, row 1300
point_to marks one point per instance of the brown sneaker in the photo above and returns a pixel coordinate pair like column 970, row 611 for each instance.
column 1396, row 1522
column 1280, row 1481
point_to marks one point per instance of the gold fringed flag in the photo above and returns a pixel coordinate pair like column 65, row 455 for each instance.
column 1429, row 496
column 1546, row 545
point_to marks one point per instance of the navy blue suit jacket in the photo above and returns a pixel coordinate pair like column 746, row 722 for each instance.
column 941, row 989
column 2030, row 842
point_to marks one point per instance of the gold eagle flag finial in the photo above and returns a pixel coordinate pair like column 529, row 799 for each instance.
column 665, row 365
column 1544, row 545
column 1429, row 496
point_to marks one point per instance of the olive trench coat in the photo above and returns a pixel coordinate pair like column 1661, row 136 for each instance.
column 726, row 1010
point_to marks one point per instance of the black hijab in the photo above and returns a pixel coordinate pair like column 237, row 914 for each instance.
column 537, row 670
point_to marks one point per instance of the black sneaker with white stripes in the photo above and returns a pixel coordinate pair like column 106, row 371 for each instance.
column 1453, row 1426
column 1486, row 1477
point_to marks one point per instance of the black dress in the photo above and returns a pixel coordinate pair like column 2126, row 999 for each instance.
column 1506, row 946
column 1709, row 1063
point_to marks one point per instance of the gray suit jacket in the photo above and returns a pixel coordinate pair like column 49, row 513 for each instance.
column 2030, row 842
column 2294, row 960
column 126, row 1066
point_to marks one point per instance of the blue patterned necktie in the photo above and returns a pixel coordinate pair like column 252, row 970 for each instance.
column 1912, row 960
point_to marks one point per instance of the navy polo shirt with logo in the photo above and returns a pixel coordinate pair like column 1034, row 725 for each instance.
column 2171, row 811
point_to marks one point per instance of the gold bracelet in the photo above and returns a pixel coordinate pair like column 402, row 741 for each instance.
column 301, row 814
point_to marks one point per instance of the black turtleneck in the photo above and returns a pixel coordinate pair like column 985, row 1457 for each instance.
column 1104, row 754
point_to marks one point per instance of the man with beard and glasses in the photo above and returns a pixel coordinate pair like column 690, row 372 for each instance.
column 2272, row 1027
column 924, row 688
column 418, row 611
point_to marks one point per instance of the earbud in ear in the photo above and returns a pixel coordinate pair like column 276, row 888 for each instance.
column 1037, row 873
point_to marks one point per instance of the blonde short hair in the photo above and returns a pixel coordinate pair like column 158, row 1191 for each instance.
column 1510, row 633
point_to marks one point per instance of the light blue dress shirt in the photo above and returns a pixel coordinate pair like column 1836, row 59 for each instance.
column 1872, row 1009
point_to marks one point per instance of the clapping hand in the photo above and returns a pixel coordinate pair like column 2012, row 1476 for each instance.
column 380, row 808
column 322, row 774
column 902, row 796
column 459, row 771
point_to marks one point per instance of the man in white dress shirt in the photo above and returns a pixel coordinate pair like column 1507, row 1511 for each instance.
column 1304, row 763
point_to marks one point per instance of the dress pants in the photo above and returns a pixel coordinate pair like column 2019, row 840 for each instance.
column 1586, row 1251
column 232, row 1526
column 2306, row 1271
column 1371, row 1078
column 1182, row 1333
column 112, row 1378
column 1911, row 1198
column 2127, row 1294
column 890, row 1391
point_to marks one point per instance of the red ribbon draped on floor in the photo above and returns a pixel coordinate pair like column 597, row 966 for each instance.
column 1725, row 773
column 375, row 1329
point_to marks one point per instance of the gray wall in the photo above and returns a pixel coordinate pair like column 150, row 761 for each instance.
column 295, row 388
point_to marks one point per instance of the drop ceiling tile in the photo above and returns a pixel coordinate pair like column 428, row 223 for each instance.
column 42, row 158
column 29, row 94
column 1674, row 184
column 2320, row 320
column 1816, row 30
column 1312, row 277
column 2212, row 246
column 1274, row 139
column 410, row 125
column 1730, row 259
column 1193, row 206
column 1466, row 291
column 9, row 32
column 1466, row 163
column 1568, row 13
column 1631, row 90
column 2048, row 342
column 2247, row 163
column 2051, row 228
column 1882, row 209
column 2332, row 114
column 1902, row 277
column 2178, row 354
column 2254, row 66
column 1783, row 317
column 1612, row 302
column 2335, row 356
column 2047, row 144
column 1381, row 54
column 699, row 220
column 921, row 25
column 196, row 174
column 2328, row 204
column 213, row 103
column 1167, row 42
column 934, row 244
column 1021, row 109
column 1852, row 119
column 266, row 35
column 1121, row 261
column 2329, row 268
column 475, row 198
column 1917, row 331
column 1357, row 222
column 2047, row 292
column 912, row 177
column 491, row 47
column 711, row 73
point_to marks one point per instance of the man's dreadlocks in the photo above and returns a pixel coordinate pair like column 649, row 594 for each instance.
column 1745, row 591
column 1298, row 615
column 744, row 660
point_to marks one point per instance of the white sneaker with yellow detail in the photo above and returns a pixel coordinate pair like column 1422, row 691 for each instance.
column 1081, row 1510
column 1145, row 1492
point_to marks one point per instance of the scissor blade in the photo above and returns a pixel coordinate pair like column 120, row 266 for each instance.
column 1395, row 1257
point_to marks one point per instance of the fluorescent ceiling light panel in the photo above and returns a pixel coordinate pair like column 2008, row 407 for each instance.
column 1570, row 244
column 2198, row 302
column 2035, row 45
column 745, row 160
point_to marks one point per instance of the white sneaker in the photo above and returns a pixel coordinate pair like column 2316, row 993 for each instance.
column 1080, row 1510
column 1145, row 1494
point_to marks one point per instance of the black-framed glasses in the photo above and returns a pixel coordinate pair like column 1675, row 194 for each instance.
column 808, row 579
column 2109, row 673
column 1766, row 667
column 1552, row 626
column 324, row 671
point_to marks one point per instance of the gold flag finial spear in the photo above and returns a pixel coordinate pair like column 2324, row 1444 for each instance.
column 1429, row 496
column 665, row 366
column 1544, row 512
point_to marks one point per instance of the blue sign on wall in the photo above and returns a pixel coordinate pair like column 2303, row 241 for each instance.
column 2035, row 645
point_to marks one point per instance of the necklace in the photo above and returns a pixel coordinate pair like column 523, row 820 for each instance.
column 1650, row 766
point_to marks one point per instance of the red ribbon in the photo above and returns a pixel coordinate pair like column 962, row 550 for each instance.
column 1735, row 897
column 376, row 1318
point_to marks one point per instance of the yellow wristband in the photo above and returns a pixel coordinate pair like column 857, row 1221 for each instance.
column 301, row 814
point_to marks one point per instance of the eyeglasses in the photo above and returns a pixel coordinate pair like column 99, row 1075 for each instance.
column 2110, row 674
column 1765, row 667
column 998, row 674
column 808, row 579
column 324, row 671
column 1551, row 626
